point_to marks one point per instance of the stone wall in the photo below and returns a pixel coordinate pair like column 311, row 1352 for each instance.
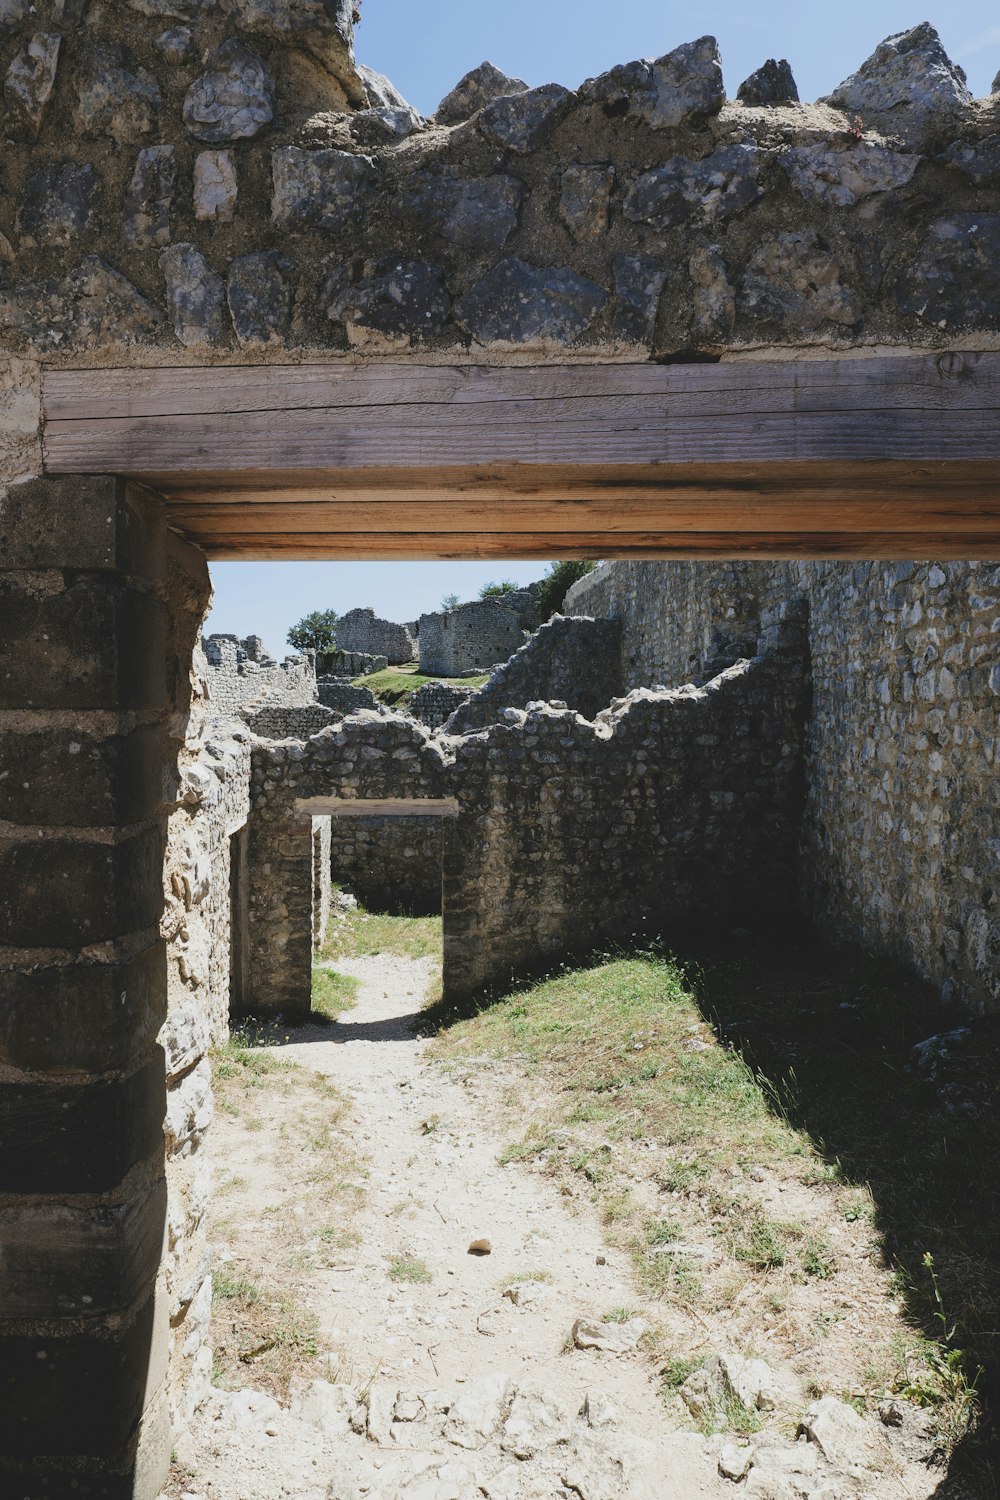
column 350, row 664
column 901, row 829
column 282, row 723
column 573, row 662
column 343, row 697
column 361, row 631
column 390, row 864
column 676, row 810
column 242, row 677
column 367, row 755
column 236, row 182
column 434, row 702
column 472, row 637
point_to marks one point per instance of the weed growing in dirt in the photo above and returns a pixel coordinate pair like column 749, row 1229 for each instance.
column 409, row 1268
column 333, row 993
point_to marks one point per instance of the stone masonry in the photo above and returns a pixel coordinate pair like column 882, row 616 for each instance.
column 901, row 828
column 243, row 677
column 676, row 810
column 573, row 662
column 474, row 637
column 361, row 631
column 189, row 183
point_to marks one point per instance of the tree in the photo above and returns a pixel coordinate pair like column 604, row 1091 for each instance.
column 316, row 632
column 557, row 583
column 497, row 590
column 449, row 602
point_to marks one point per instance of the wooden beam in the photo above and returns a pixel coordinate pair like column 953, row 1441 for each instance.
column 798, row 458
column 368, row 807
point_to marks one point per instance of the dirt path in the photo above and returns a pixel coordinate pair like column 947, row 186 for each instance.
column 468, row 1393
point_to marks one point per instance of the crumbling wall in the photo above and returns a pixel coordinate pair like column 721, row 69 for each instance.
column 242, row 677
column 677, row 809
column 274, row 723
column 573, row 662
column 361, row 631
column 901, row 825
column 435, row 702
column 344, row 697
column 472, row 637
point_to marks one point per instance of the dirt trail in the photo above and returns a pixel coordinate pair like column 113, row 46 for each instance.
column 468, row 1394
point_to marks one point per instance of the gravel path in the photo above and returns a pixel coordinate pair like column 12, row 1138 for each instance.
column 468, row 1393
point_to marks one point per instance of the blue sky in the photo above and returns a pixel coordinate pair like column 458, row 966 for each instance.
column 426, row 45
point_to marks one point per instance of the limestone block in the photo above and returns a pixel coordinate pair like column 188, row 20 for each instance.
column 474, row 91
column 711, row 190
column 233, row 100
column 519, row 303
column 194, row 295
column 471, row 213
column 215, row 186
column 907, row 85
column 115, row 97
column 149, row 199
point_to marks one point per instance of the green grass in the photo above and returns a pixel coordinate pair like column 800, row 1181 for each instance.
column 409, row 1268
column 396, row 685
column 333, row 993
column 361, row 934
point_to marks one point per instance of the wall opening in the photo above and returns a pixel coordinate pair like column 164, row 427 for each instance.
column 237, row 922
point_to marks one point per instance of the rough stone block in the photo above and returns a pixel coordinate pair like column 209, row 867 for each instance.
column 79, row 1138
column 67, row 778
column 79, row 641
column 63, row 1261
column 98, row 1018
column 87, row 523
column 60, row 893
column 81, row 1396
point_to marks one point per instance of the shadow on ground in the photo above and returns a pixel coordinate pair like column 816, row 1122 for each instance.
column 831, row 1036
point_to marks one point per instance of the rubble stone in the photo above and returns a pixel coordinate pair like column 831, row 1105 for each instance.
column 216, row 186
column 233, row 100
column 325, row 189
column 639, row 283
column 28, row 85
column 708, row 191
column 772, row 83
column 259, row 295
column 56, row 206
column 194, row 295
column 150, row 198
column 477, row 89
column 520, row 304
column 684, row 88
column 520, row 122
column 471, row 213
column 115, row 97
column 907, row 85
column 954, row 282
column 839, row 176
column 408, row 299
column 793, row 281
column 585, row 202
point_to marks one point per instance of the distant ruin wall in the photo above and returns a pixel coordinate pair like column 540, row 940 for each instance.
column 902, row 827
column 242, row 677
column 472, row 637
column 674, row 810
column 283, row 723
column 435, row 702
column 576, row 662
column 361, row 631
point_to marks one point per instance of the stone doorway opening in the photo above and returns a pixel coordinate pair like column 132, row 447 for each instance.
column 378, row 889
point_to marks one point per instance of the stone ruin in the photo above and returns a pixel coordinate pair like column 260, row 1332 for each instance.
column 361, row 631
column 474, row 637
column 205, row 185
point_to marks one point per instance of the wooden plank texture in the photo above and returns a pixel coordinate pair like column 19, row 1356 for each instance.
column 783, row 459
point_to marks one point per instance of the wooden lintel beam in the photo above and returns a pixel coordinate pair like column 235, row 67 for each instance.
column 896, row 456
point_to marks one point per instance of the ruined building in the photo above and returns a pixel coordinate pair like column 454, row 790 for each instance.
column 253, row 305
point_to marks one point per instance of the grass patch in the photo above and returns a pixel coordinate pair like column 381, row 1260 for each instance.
column 409, row 1268
column 333, row 993
column 665, row 1098
column 361, row 934
column 396, row 685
